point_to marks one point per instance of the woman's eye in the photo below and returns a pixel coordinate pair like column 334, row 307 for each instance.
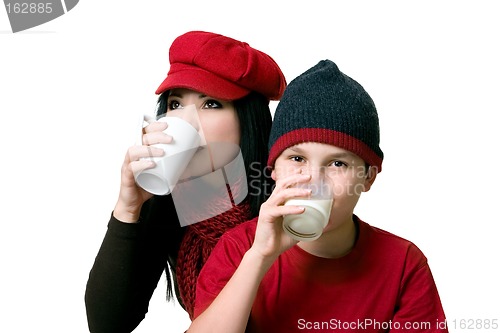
column 212, row 104
column 172, row 105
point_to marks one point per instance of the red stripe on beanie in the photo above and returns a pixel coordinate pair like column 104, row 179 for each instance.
column 327, row 136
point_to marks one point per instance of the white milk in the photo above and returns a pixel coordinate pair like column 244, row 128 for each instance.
column 309, row 225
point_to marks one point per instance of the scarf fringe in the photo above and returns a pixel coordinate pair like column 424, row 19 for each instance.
column 197, row 244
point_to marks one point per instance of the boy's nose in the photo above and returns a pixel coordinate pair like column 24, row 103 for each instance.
column 316, row 173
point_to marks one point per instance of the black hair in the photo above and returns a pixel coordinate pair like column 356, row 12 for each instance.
column 255, row 120
column 254, row 117
column 255, row 125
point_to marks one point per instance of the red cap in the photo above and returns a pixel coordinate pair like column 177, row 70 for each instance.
column 221, row 67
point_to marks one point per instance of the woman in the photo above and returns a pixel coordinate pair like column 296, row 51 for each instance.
column 230, row 83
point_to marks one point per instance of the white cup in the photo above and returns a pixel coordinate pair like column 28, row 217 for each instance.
column 162, row 179
column 309, row 225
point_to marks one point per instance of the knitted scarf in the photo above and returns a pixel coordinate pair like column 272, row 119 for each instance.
column 197, row 244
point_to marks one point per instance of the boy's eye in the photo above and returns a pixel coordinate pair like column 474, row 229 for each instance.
column 296, row 158
column 338, row 164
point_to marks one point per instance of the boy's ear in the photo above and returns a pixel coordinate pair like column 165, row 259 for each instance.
column 273, row 174
column 371, row 174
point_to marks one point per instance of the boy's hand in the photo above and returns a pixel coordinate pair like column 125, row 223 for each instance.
column 270, row 239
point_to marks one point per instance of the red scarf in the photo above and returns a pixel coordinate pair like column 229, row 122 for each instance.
column 197, row 244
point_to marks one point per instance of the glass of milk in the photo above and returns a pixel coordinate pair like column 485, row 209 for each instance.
column 309, row 225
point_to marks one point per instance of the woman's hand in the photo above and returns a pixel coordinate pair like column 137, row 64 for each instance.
column 131, row 196
column 270, row 239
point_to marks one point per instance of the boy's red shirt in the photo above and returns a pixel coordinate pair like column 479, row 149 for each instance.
column 383, row 285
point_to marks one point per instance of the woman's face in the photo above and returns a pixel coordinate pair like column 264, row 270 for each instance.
column 220, row 130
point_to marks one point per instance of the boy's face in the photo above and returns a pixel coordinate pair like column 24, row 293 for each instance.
column 345, row 171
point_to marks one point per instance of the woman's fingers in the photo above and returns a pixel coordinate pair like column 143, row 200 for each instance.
column 137, row 167
column 153, row 134
column 155, row 138
column 135, row 153
column 155, row 126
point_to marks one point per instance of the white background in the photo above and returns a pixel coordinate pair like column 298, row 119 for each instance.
column 71, row 92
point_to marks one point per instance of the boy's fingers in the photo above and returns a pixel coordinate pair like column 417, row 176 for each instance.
column 292, row 180
column 274, row 212
column 281, row 196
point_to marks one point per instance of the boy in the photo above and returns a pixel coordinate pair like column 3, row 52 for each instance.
column 355, row 277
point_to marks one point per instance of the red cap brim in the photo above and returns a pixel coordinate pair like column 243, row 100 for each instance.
column 197, row 79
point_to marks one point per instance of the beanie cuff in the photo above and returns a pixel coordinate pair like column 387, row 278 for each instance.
column 327, row 136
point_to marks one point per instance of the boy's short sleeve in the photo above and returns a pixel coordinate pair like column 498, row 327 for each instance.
column 222, row 263
column 419, row 305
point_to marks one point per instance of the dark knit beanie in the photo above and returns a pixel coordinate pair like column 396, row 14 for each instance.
column 326, row 106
